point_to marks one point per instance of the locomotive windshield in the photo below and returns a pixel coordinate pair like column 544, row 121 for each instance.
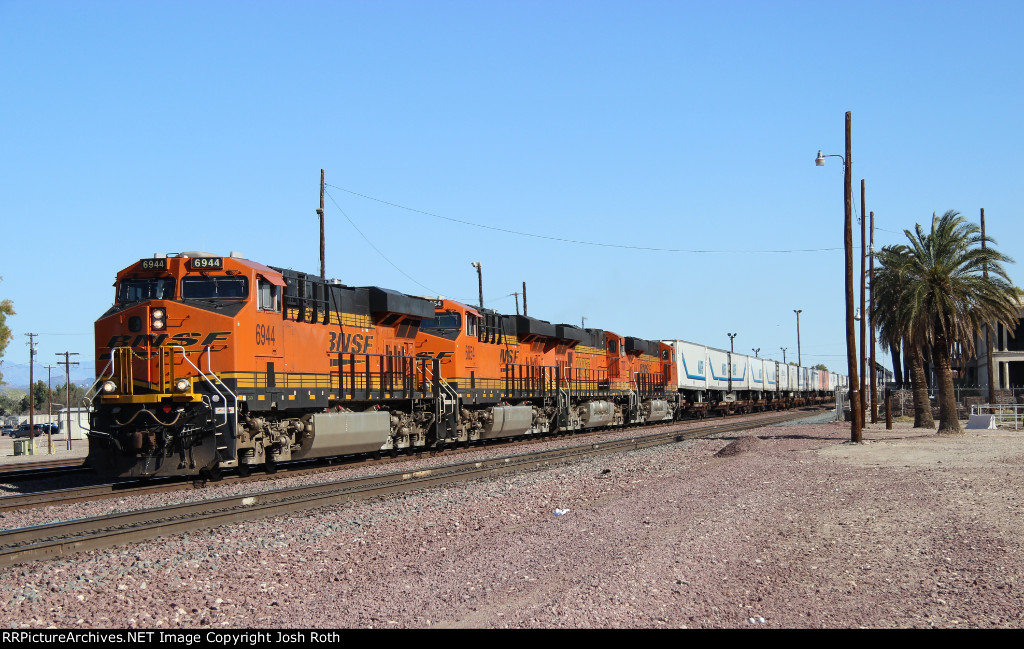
column 446, row 325
column 150, row 288
column 447, row 320
column 214, row 287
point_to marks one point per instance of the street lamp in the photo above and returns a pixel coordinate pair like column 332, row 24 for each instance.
column 783, row 355
column 799, row 358
column 856, row 422
column 731, row 338
column 755, row 351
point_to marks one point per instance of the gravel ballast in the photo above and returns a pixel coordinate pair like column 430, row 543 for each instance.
column 787, row 526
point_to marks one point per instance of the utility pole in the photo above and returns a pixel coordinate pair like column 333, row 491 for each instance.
column 799, row 357
column 31, row 397
column 524, row 298
column 856, row 413
column 323, row 272
column 516, row 293
column 871, row 284
column 731, row 338
column 479, row 279
column 67, row 386
column 863, row 313
column 49, row 409
column 988, row 329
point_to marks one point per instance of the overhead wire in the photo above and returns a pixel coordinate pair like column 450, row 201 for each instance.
column 573, row 241
column 383, row 256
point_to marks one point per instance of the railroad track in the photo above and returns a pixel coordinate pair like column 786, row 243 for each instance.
column 41, row 469
column 64, row 538
column 125, row 488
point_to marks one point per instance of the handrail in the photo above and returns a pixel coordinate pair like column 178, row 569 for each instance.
column 102, row 376
column 389, row 371
column 86, row 399
column 441, row 383
column 1002, row 412
column 209, row 367
column 184, row 355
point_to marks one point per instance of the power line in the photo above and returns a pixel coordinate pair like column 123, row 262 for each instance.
column 370, row 243
column 573, row 241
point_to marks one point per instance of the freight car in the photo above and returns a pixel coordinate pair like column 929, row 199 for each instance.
column 208, row 363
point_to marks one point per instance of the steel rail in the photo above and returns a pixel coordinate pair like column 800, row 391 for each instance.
column 41, row 469
column 64, row 538
column 50, row 498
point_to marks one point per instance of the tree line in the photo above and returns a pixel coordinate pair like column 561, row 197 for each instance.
column 934, row 293
column 15, row 403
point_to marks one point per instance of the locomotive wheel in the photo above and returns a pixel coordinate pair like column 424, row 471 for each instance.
column 270, row 467
column 244, row 470
column 212, row 474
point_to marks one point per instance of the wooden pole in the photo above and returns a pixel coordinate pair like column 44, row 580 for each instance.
column 856, row 414
column 863, row 310
column 31, row 385
column 888, row 409
column 988, row 329
column 323, row 272
column 871, row 283
column 67, row 386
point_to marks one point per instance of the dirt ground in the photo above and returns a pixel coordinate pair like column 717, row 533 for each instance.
column 778, row 527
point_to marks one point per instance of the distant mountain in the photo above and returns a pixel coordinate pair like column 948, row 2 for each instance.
column 16, row 376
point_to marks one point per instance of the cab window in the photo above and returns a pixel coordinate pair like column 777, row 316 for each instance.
column 268, row 295
column 445, row 325
column 215, row 287
column 471, row 324
column 149, row 288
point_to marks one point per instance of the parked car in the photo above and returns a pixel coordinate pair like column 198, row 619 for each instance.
column 8, row 431
column 23, row 431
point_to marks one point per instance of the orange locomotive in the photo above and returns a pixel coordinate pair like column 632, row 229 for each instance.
column 206, row 363
column 515, row 375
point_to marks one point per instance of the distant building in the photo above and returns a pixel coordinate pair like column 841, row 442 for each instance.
column 883, row 375
column 1007, row 356
column 79, row 422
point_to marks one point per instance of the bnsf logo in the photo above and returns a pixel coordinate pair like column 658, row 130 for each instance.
column 184, row 339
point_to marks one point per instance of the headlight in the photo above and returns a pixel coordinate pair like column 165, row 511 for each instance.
column 182, row 385
column 109, row 387
column 157, row 319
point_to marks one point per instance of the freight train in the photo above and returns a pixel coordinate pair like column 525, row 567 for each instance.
column 207, row 363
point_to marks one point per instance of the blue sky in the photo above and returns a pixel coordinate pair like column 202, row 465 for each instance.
column 130, row 128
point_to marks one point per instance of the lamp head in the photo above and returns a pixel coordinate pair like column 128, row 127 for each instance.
column 820, row 160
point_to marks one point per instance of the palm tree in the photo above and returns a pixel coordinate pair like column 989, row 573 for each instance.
column 897, row 318
column 950, row 299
